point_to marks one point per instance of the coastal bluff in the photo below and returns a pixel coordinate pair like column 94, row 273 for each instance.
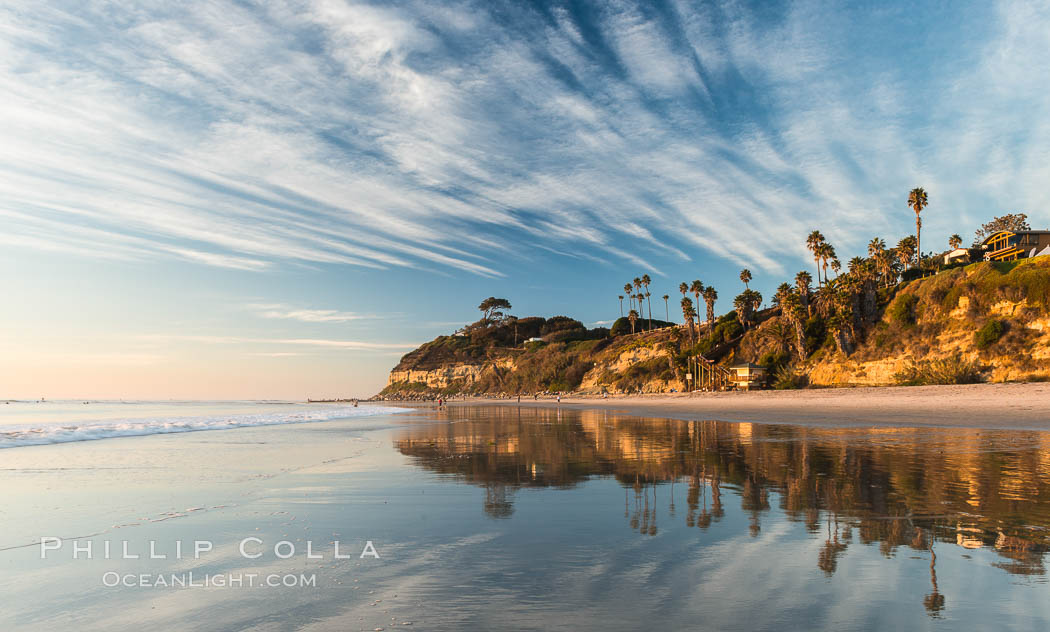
column 983, row 322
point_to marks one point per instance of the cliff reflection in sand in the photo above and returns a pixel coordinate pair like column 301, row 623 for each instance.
column 885, row 487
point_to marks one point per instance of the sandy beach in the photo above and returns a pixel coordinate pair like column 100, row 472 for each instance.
column 992, row 406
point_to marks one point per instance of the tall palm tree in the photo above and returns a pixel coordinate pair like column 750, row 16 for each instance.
column 875, row 246
column 627, row 290
column 667, row 310
column 825, row 254
column 645, row 282
column 697, row 288
column 813, row 242
column 954, row 241
column 803, row 281
column 877, row 252
column 710, row 296
column 745, row 276
column 683, row 287
column 917, row 200
column 621, row 305
column 792, row 309
column 687, row 315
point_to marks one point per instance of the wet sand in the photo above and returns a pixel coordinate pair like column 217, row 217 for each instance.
column 998, row 406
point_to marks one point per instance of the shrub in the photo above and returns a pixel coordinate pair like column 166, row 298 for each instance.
column 789, row 377
column 902, row 310
column 727, row 330
column 911, row 274
column 773, row 360
column 989, row 334
column 950, row 370
column 816, row 332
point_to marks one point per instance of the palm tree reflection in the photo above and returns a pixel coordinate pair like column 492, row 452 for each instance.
column 891, row 485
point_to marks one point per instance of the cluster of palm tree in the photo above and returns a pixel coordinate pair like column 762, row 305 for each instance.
column 747, row 302
column 689, row 312
column 637, row 291
column 823, row 255
column 845, row 301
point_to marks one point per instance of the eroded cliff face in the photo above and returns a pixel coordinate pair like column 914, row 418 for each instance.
column 599, row 369
column 1023, row 355
column 456, row 378
column 438, row 378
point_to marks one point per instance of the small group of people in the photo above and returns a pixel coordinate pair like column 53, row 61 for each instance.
column 536, row 396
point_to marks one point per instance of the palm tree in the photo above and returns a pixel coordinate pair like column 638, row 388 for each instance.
column 825, row 253
column 633, row 317
column 954, row 241
column 697, row 288
column 710, row 296
column 877, row 253
column 876, row 246
column 621, row 305
column 745, row 276
column 917, row 200
column 645, row 282
column 906, row 250
column 743, row 306
column 813, row 243
column 792, row 309
column 782, row 291
column 667, row 312
column 803, row 280
column 627, row 290
column 687, row 314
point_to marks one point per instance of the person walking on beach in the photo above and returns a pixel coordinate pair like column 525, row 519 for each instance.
column 559, row 398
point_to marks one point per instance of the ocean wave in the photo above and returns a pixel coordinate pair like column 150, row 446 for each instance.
column 21, row 436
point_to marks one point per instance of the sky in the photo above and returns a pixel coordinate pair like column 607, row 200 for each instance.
column 229, row 199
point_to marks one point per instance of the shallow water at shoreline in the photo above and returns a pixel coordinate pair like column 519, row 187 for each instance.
column 25, row 424
column 500, row 518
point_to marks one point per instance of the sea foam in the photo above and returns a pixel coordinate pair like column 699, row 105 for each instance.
column 28, row 435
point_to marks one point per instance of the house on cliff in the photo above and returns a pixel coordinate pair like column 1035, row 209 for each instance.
column 1009, row 245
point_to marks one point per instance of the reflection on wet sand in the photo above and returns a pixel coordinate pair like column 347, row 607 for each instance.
column 890, row 487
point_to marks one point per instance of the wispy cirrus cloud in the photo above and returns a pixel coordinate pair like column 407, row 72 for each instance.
column 461, row 137
column 351, row 345
column 285, row 312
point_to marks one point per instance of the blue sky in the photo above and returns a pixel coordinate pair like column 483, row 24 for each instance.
column 239, row 199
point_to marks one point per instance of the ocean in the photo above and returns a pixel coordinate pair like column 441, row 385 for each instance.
column 27, row 423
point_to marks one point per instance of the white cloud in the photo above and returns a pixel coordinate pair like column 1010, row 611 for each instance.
column 285, row 312
column 358, row 345
column 342, row 133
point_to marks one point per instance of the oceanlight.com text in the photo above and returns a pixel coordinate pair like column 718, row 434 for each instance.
column 113, row 579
